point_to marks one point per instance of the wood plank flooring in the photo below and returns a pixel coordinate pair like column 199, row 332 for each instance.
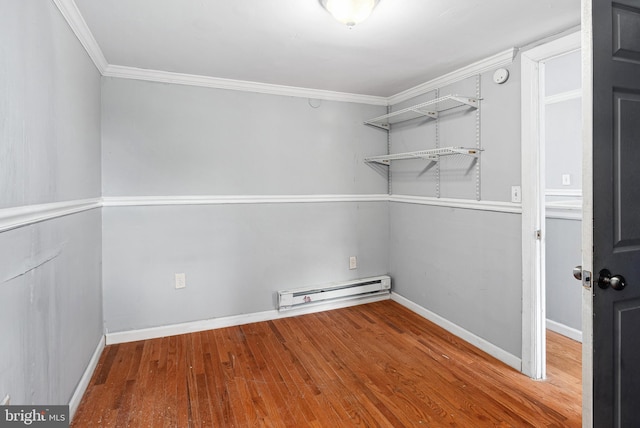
column 370, row 365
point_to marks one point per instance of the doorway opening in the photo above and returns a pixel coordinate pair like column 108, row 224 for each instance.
column 560, row 141
column 551, row 197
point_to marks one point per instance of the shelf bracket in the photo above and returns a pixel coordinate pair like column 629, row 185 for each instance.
column 467, row 152
column 430, row 113
column 384, row 126
column 472, row 102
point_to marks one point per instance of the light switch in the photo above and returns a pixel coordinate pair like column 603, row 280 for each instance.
column 516, row 194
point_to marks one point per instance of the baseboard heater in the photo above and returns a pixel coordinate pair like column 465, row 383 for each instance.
column 359, row 288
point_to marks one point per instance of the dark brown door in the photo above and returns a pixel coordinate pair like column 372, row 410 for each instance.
column 616, row 213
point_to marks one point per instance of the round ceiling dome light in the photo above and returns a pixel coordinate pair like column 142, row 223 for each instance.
column 349, row 12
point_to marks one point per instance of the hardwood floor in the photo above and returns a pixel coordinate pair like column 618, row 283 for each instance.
column 371, row 365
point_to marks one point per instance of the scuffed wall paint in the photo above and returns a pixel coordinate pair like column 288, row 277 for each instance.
column 50, row 272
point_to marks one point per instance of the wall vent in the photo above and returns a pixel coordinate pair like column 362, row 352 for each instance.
column 359, row 288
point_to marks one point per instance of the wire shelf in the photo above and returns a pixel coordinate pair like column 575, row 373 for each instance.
column 429, row 109
column 431, row 154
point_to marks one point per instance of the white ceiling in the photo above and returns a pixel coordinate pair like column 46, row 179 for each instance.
column 297, row 43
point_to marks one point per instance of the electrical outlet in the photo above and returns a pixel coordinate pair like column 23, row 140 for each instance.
column 353, row 262
column 516, row 194
column 181, row 280
column 6, row 401
column 566, row 179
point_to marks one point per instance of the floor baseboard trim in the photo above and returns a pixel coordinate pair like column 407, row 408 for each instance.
column 564, row 330
column 74, row 402
column 480, row 343
column 235, row 320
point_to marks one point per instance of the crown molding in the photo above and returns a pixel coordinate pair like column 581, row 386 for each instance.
column 72, row 15
column 238, row 85
column 498, row 60
column 12, row 218
column 567, row 43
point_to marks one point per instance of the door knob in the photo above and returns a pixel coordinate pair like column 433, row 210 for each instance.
column 577, row 273
column 617, row 282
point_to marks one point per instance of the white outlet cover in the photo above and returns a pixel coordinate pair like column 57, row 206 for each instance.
column 566, row 179
column 353, row 262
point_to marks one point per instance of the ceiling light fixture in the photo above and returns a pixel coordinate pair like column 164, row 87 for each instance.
column 349, row 12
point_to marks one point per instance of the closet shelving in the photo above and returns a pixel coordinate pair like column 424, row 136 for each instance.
column 431, row 154
column 430, row 109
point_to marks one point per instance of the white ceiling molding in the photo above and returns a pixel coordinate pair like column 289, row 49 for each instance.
column 238, row 85
column 74, row 18
column 72, row 15
column 496, row 61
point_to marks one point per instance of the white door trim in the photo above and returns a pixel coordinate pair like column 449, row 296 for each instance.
column 587, row 212
column 533, row 301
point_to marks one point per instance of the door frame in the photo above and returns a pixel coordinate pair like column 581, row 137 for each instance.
column 533, row 211
column 587, row 210
column 533, row 202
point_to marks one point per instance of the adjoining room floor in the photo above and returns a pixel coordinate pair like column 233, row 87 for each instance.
column 371, row 365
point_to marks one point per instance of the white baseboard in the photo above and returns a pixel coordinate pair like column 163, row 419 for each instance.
column 491, row 349
column 565, row 330
column 85, row 379
column 235, row 320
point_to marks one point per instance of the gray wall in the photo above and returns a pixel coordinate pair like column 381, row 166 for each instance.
column 172, row 140
column 463, row 264
column 563, row 144
column 50, row 281
column 161, row 139
column 563, row 252
column 235, row 256
column 563, row 155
